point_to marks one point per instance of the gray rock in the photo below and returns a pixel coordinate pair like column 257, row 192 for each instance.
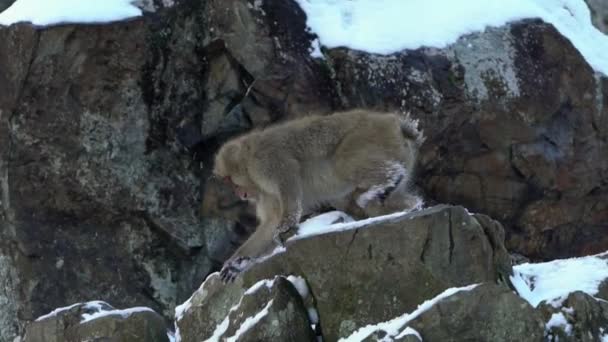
column 586, row 318
column 515, row 121
column 272, row 311
column 599, row 14
column 483, row 312
column 486, row 313
column 4, row 4
column 98, row 321
column 375, row 273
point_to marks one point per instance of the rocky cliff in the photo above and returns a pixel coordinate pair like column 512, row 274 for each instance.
column 107, row 133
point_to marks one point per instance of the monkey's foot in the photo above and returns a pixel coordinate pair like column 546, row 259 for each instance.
column 232, row 268
column 278, row 238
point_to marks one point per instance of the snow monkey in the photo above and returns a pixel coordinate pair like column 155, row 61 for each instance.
column 356, row 156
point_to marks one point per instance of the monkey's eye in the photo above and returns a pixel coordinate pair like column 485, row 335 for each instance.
column 227, row 180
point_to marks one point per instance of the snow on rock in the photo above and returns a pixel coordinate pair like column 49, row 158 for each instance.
column 50, row 12
column 221, row 328
column 408, row 331
column 249, row 323
column 393, row 327
column 558, row 320
column 323, row 224
column 56, row 312
column 101, row 312
column 388, row 26
column 300, row 284
column 554, row 280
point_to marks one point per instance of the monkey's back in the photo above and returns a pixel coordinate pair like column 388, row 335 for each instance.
column 319, row 136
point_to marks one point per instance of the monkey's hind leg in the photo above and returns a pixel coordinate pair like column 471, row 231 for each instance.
column 381, row 183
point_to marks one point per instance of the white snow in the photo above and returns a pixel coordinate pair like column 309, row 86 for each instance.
column 50, row 12
column 181, row 309
column 393, row 327
column 554, row 280
column 558, row 320
column 221, row 328
column 255, row 287
column 102, row 313
column 321, row 224
column 56, row 311
column 300, row 284
column 408, row 331
column 249, row 323
column 388, row 26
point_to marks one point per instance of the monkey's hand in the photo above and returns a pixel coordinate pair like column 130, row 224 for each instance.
column 280, row 230
column 232, row 268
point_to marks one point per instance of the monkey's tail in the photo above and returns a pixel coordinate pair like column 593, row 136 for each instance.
column 410, row 130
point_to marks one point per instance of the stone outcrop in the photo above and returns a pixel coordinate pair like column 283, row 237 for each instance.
column 516, row 125
column 599, row 14
column 107, row 133
column 271, row 311
column 486, row 313
column 366, row 275
column 580, row 317
column 98, row 321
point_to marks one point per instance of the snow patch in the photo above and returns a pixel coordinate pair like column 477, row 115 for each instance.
column 321, row 224
column 389, row 26
column 50, row 12
column 552, row 281
column 393, row 327
column 102, row 313
column 181, row 309
column 56, row 312
column 558, row 320
column 255, row 287
column 409, row 331
column 300, row 284
column 221, row 328
column 249, row 323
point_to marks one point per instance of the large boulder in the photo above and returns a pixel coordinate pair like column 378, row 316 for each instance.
column 106, row 137
column 271, row 310
column 580, row 317
column 516, row 127
column 371, row 273
column 485, row 312
column 98, row 321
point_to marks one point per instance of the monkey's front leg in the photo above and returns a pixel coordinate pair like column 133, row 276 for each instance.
column 259, row 244
column 291, row 204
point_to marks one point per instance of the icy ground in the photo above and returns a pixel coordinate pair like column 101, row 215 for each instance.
column 49, row 12
column 388, row 26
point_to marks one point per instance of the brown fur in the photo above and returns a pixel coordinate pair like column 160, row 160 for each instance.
column 290, row 168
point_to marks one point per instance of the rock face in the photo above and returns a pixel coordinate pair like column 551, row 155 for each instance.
column 107, row 133
column 516, row 125
column 580, row 317
column 486, row 313
column 370, row 274
column 98, row 321
column 271, row 311
column 599, row 14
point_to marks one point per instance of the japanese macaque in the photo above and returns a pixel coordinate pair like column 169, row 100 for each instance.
column 358, row 159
